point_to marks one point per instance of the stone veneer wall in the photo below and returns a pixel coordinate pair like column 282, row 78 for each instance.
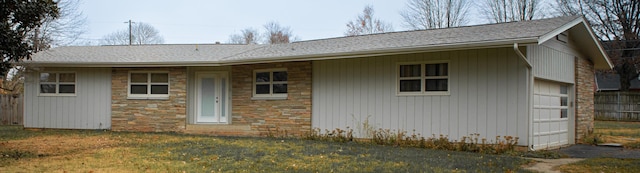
column 585, row 74
column 292, row 115
column 149, row 115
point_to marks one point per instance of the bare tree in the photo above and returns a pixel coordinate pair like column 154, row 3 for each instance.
column 141, row 33
column 116, row 38
column 428, row 14
column 62, row 31
column 498, row 11
column 276, row 34
column 366, row 24
column 617, row 23
column 246, row 36
column 611, row 19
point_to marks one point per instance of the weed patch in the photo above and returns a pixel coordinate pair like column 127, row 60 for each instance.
column 594, row 139
column 471, row 143
column 541, row 154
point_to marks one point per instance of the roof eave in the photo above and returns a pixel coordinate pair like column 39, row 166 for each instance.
column 595, row 50
column 117, row 64
column 307, row 57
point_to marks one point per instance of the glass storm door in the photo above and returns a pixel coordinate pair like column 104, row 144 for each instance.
column 211, row 93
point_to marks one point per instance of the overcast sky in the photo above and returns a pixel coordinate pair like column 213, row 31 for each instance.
column 208, row 21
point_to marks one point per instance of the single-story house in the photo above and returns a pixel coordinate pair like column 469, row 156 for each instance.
column 530, row 79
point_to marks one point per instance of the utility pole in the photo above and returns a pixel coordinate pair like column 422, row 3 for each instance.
column 130, row 35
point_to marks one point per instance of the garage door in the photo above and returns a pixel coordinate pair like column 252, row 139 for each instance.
column 551, row 114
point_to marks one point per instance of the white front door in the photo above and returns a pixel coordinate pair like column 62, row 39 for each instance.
column 212, row 97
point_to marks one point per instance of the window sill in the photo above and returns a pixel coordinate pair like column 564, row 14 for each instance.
column 212, row 124
column 436, row 93
column 147, row 98
column 56, row 95
column 270, row 98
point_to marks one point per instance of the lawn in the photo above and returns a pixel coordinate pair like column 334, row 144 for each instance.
column 626, row 133
column 598, row 165
column 618, row 132
column 105, row 151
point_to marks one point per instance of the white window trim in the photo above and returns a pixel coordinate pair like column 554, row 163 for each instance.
column 422, row 78
column 57, row 83
column 269, row 96
column 148, row 96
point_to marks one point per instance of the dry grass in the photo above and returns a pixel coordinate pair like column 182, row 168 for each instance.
column 618, row 132
column 104, row 151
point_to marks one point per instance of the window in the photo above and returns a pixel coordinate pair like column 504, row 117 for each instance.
column 148, row 85
column 271, row 83
column 58, row 83
column 423, row 78
column 564, row 103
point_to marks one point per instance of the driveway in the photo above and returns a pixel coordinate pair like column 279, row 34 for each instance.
column 590, row 151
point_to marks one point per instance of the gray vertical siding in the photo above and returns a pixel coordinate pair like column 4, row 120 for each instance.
column 488, row 95
column 89, row 109
column 555, row 63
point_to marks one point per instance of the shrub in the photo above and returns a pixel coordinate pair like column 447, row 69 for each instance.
column 337, row 135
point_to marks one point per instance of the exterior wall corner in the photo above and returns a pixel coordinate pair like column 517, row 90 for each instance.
column 584, row 108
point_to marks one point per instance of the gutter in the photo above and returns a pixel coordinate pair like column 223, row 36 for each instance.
column 530, row 93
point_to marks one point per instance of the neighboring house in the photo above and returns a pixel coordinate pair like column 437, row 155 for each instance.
column 611, row 82
column 531, row 79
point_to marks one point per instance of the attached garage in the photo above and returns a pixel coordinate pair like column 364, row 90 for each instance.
column 552, row 116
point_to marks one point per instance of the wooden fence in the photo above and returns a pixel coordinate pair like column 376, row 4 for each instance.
column 619, row 106
column 11, row 109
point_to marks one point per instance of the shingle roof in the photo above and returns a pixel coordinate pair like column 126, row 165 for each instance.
column 469, row 36
column 142, row 53
column 411, row 39
column 607, row 82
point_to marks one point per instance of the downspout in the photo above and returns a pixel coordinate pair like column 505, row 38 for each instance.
column 524, row 58
column 530, row 92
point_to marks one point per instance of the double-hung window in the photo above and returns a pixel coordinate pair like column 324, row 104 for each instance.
column 58, row 83
column 270, row 83
column 423, row 78
column 148, row 85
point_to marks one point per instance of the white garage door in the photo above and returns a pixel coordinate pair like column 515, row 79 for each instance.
column 551, row 114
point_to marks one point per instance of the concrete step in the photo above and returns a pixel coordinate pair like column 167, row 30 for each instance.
column 221, row 130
